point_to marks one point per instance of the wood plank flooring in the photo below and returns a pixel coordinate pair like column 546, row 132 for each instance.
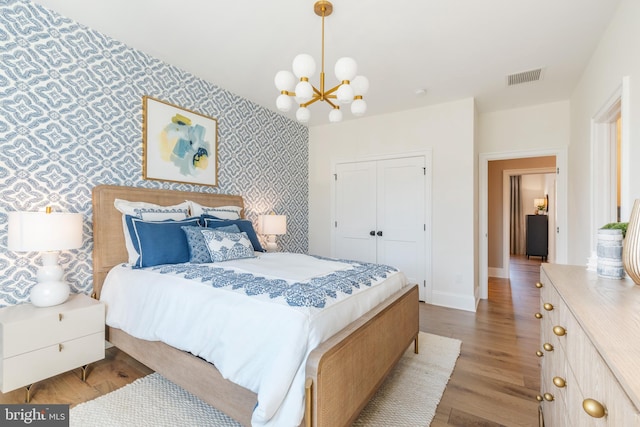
column 497, row 376
column 495, row 381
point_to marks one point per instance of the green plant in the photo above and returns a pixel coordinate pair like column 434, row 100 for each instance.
column 617, row 226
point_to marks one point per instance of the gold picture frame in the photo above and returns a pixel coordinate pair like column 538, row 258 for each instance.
column 178, row 145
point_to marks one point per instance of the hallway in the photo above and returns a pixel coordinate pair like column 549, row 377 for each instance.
column 497, row 376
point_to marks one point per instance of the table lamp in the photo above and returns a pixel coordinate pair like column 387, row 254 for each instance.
column 47, row 232
column 540, row 205
column 272, row 226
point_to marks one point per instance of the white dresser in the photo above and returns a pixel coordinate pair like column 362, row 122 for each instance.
column 40, row 342
column 589, row 348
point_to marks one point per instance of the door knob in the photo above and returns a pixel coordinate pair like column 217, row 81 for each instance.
column 379, row 233
column 372, row 233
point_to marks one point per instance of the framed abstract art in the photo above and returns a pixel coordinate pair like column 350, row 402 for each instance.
column 178, row 145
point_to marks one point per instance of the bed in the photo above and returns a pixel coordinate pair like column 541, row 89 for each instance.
column 341, row 374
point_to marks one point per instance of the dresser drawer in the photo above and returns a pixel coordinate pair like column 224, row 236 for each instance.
column 596, row 381
column 554, row 366
column 27, row 368
column 554, row 312
column 27, row 328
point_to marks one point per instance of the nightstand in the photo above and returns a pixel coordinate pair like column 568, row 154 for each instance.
column 40, row 342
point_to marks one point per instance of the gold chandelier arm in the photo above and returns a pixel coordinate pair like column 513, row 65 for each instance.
column 314, row 99
column 330, row 91
column 331, row 103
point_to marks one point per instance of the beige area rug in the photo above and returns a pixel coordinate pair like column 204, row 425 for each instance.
column 408, row 397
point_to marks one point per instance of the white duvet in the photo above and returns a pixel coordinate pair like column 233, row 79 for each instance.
column 258, row 342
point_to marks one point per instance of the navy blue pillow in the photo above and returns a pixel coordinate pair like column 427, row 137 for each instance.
column 159, row 242
column 243, row 224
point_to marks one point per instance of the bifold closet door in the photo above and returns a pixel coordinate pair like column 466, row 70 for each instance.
column 400, row 216
column 380, row 209
column 356, row 211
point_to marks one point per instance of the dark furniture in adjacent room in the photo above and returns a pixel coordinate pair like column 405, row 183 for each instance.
column 538, row 236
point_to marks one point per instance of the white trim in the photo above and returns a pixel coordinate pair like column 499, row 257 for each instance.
column 603, row 161
column 483, row 210
column 499, row 272
column 458, row 301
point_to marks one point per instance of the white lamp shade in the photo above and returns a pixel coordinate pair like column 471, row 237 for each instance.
column 285, row 80
column 346, row 68
column 345, row 94
column 358, row 107
column 304, row 91
column 360, row 85
column 284, row 103
column 303, row 115
column 539, row 202
column 274, row 224
column 335, row 115
column 304, row 65
column 40, row 231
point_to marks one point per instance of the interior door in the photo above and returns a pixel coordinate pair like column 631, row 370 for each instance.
column 380, row 214
column 355, row 216
column 400, row 216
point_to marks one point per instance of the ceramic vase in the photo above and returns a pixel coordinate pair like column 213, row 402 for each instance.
column 631, row 249
column 609, row 250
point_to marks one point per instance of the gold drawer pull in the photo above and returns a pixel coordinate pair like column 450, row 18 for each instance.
column 548, row 346
column 539, row 285
column 559, row 382
column 539, row 353
column 548, row 306
column 548, row 397
column 539, row 398
column 594, row 408
column 60, row 317
column 538, row 315
column 559, row 331
column 60, row 347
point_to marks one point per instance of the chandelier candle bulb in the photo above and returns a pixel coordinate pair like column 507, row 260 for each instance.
column 349, row 91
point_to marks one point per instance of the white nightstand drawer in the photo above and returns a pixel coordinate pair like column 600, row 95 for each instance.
column 27, row 368
column 26, row 328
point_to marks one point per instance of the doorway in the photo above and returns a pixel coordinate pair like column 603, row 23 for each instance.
column 560, row 156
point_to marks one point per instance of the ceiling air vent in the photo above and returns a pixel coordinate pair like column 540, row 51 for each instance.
column 524, row 77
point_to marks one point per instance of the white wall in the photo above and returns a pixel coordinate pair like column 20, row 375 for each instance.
column 539, row 130
column 447, row 130
column 616, row 57
column 527, row 128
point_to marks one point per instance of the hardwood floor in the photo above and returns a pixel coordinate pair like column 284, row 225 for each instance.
column 497, row 376
column 495, row 381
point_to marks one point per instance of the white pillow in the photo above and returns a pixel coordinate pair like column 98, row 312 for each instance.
column 147, row 212
column 222, row 212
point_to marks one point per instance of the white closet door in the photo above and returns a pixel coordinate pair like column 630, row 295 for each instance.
column 355, row 211
column 400, row 216
column 380, row 214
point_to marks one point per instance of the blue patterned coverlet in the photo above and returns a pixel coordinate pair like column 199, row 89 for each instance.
column 312, row 293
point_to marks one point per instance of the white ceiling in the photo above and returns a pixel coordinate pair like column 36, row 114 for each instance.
column 453, row 49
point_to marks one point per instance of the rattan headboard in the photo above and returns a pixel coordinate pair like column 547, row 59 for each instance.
column 108, row 238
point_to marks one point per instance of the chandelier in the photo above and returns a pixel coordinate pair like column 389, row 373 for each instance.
column 349, row 91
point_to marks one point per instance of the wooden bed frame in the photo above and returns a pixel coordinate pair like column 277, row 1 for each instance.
column 342, row 373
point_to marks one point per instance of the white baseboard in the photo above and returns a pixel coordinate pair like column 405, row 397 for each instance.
column 460, row 302
column 498, row 272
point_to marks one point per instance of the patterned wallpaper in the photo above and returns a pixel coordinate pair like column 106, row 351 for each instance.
column 71, row 118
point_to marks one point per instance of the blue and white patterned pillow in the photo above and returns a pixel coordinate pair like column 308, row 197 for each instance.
column 198, row 249
column 225, row 246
